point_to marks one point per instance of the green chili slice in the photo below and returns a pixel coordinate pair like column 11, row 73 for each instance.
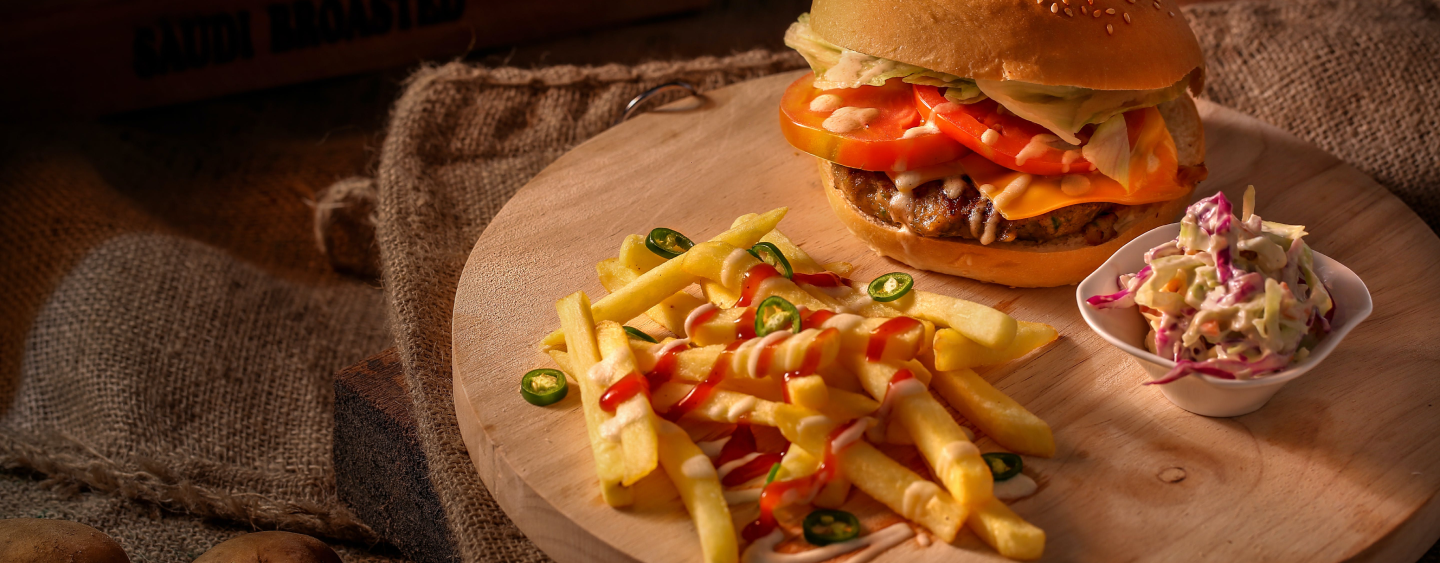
column 1003, row 465
column 667, row 243
column 774, row 472
column 891, row 286
column 824, row 527
column 640, row 334
column 776, row 314
column 543, row 386
column 770, row 254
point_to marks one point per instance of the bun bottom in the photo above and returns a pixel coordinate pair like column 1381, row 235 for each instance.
column 1016, row 264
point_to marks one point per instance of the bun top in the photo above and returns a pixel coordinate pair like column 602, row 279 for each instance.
column 1045, row 42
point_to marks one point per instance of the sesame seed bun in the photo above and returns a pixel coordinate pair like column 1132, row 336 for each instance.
column 1065, row 261
column 1047, row 42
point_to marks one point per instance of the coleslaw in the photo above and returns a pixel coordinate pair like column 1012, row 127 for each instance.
column 1231, row 297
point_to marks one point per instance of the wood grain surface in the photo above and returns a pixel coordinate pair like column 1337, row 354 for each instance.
column 1334, row 468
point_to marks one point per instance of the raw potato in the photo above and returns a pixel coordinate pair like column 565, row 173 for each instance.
column 39, row 540
column 270, row 547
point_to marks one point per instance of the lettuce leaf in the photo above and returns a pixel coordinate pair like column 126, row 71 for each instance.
column 1064, row 110
column 837, row 67
column 1109, row 150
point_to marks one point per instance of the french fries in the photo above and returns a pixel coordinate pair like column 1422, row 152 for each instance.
column 634, row 416
column 824, row 364
column 700, row 490
column 667, row 279
column 982, row 324
column 954, row 350
column 584, row 353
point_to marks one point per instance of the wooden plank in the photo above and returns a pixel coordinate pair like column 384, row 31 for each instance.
column 1337, row 462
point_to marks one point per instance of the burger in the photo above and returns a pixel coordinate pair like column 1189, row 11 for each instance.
column 1010, row 141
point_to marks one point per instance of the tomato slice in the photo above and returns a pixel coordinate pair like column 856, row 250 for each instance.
column 880, row 144
column 1014, row 144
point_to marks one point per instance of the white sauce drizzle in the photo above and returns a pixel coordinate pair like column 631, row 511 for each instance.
column 692, row 319
column 917, row 496
column 713, row 447
column 850, row 434
column 907, row 181
column 923, row 539
column 792, row 353
column 809, row 421
column 1017, row 487
column 603, row 372
column 1013, row 191
column 928, row 128
column 990, row 137
column 740, row 408
column 763, row 550
column 730, row 272
column 825, row 103
column 977, row 219
column 953, row 451
column 894, row 393
column 754, row 361
column 743, row 496
column 739, row 361
column 900, row 206
column 990, row 223
column 844, row 322
column 954, row 186
column 1075, row 185
column 849, row 118
column 732, row 465
column 698, row 467
column 947, row 107
column 1068, row 158
column 628, row 412
column 1035, row 147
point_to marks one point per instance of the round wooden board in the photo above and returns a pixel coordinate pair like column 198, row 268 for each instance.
column 1340, row 465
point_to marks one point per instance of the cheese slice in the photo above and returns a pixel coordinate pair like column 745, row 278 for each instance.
column 1153, row 166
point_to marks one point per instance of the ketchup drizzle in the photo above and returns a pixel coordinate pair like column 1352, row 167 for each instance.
column 745, row 325
column 875, row 348
column 814, row 320
column 822, row 279
column 754, row 277
column 629, row 386
column 808, row 485
column 704, row 389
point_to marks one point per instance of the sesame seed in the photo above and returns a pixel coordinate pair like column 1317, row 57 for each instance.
column 1067, row 2
column 1070, row 13
column 1110, row 11
column 1110, row 29
column 1172, row 14
column 1095, row 13
column 1157, row 5
column 1084, row 10
column 1054, row 7
column 1127, row 18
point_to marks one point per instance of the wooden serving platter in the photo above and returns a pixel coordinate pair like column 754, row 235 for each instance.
column 1342, row 464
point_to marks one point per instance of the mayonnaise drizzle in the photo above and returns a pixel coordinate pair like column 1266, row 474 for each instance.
column 894, row 393
column 1017, row 487
column 900, row 206
column 1068, row 158
column 954, row 186
column 603, row 372
column 815, row 420
column 1035, row 147
column 713, row 447
column 694, row 317
column 1075, row 185
column 990, row 223
column 730, row 272
column 1013, row 191
column 990, row 137
column 917, row 496
column 825, row 103
column 847, row 119
column 627, row 413
column 763, row 550
column 741, row 408
column 698, row 467
column 850, row 434
column 742, row 496
column 732, row 465
column 928, row 128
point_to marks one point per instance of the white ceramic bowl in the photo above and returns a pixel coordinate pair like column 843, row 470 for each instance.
column 1198, row 393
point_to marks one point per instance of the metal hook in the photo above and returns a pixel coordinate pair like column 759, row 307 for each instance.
column 637, row 100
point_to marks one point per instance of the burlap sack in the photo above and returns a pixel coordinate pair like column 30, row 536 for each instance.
column 463, row 139
column 171, row 329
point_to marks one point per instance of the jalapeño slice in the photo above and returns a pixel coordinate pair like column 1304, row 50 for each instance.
column 770, row 254
column 774, row 472
column 667, row 243
column 543, row 386
column 776, row 314
column 824, row 527
column 640, row 334
column 1003, row 465
column 891, row 286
